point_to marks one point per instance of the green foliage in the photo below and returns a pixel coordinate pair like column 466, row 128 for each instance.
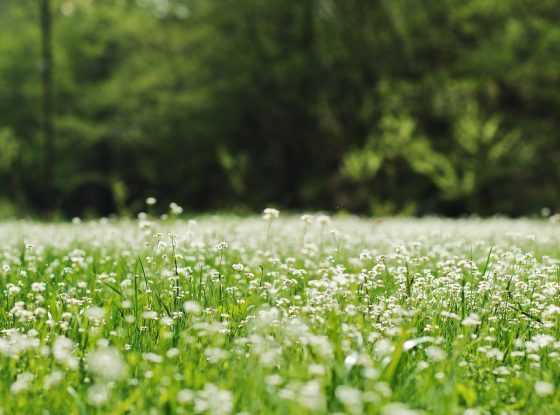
column 449, row 106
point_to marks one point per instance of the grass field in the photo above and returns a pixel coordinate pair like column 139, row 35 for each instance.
column 280, row 316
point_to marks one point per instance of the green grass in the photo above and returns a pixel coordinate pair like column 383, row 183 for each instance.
column 280, row 316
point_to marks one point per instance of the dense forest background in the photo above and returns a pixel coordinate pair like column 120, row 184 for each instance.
column 371, row 106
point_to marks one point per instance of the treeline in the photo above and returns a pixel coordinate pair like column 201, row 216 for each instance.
column 370, row 106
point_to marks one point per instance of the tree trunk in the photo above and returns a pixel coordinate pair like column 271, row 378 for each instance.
column 47, row 97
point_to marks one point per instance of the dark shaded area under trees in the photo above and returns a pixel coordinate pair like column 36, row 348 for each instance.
column 402, row 106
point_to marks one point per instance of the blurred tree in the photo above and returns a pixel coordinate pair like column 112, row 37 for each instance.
column 48, row 103
column 370, row 106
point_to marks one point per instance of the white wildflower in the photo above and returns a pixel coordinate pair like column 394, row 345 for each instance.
column 150, row 315
column 351, row 398
column 213, row 400
column 95, row 314
column 152, row 357
column 175, row 208
column 38, row 287
column 435, row 353
column 192, row 307
column 98, row 394
column 62, row 352
column 323, row 220
column 106, row 363
column 471, row 320
column 311, row 396
column 185, row 396
column 270, row 214
column 53, row 379
column 398, row 408
column 544, row 388
column 22, row 383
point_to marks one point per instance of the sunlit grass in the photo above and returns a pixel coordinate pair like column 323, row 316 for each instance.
column 280, row 315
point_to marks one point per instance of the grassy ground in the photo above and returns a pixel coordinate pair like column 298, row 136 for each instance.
column 276, row 316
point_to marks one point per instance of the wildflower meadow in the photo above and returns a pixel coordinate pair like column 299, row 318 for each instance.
column 280, row 314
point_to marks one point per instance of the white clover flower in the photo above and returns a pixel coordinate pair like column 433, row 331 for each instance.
column 365, row 255
column 214, row 400
column 317, row 370
column 22, row 383
column 412, row 343
column 471, row 320
column 215, row 354
column 106, row 363
column 150, row 315
column 450, row 315
column 270, row 214
column 351, row 360
column 311, row 396
column 398, row 408
column 435, row 353
column 323, row 220
column 494, row 353
column 167, row 321
column 221, row 246
column 351, row 398
column 192, row 307
column 266, row 317
column 13, row 289
column 555, row 218
column 38, row 287
column 15, row 343
column 501, row 371
column 544, row 388
column 53, row 379
column 383, row 347
column 95, row 314
column 542, row 340
column 175, row 208
column 370, row 373
column 62, row 352
column 273, row 380
column 307, row 219
column 150, row 201
column 422, row 364
column 173, row 352
column 152, row 357
column 185, row 396
column 40, row 312
column 98, row 394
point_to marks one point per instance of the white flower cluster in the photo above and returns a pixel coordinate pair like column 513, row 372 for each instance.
column 280, row 314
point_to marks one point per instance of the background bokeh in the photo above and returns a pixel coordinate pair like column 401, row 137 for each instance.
column 447, row 107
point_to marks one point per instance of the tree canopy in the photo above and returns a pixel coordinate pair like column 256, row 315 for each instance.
column 371, row 106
